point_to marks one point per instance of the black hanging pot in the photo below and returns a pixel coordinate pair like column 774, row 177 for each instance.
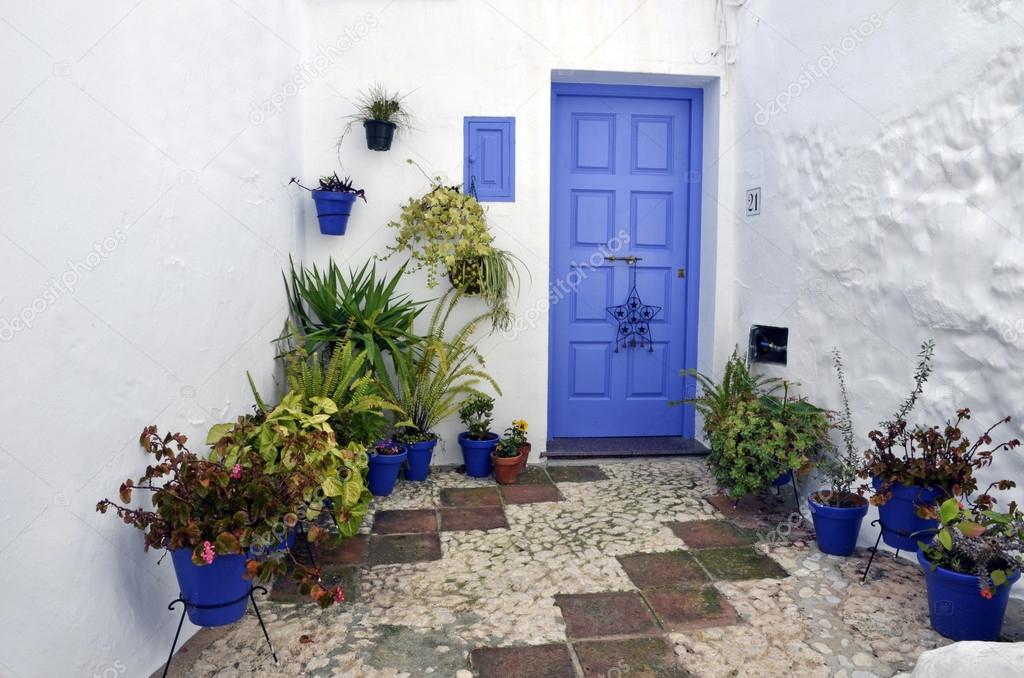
column 465, row 276
column 379, row 134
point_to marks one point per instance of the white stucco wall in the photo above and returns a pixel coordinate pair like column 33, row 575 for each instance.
column 145, row 223
column 467, row 57
column 887, row 139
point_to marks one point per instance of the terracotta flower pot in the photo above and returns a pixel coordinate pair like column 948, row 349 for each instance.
column 506, row 469
column 524, row 453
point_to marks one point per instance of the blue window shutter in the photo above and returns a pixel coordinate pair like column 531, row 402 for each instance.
column 489, row 162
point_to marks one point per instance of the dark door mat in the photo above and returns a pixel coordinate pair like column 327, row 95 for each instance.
column 585, row 448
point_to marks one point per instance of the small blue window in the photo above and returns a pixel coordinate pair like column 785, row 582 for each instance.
column 489, row 163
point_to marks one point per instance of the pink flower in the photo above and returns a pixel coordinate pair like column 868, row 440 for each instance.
column 339, row 595
column 208, row 552
column 236, row 471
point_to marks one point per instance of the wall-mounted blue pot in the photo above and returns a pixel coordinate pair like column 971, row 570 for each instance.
column 333, row 209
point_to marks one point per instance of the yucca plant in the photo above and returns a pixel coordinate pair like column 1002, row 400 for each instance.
column 357, row 394
column 327, row 305
column 430, row 381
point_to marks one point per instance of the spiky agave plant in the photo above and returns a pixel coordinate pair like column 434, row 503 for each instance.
column 430, row 380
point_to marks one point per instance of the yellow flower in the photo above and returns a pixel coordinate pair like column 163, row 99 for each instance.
column 520, row 424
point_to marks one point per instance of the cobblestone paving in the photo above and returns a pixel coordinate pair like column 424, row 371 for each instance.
column 747, row 597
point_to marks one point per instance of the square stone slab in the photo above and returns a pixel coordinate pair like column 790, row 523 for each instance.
column 658, row 570
column 405, row 522
column 477, row 518
column 530, row 661
column 739, row 562
column 529, row 494
column 765, row 514
column 330, row 554
column 594, row 615
column 470, row 496
column 651, row 657
column 534, row 475
column 703, row 534
column 686, row 610
column 576, row 474
column 404, row 548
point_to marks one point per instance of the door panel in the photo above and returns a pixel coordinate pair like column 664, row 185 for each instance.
column 625, row 165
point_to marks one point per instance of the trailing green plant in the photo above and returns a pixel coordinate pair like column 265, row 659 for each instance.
column 493, row 276
column 431, row 379
column 841, row 466
column 217, row 509
column 333, row 184
column 476, row 414
column 377, row 102
column 345, row 380
column 296, row 436
column 977, row 540
column 326, row 306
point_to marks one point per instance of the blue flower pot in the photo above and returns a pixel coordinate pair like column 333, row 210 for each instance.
column 333, row 209
column 784, row 479
column 383, row 473
column 419, row 459
column 956, row 607
column 837, row 529
column 899, row 519
column 477, row 454
column 216, row 594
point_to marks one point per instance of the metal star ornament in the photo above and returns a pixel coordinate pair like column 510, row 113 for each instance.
column 634, row 318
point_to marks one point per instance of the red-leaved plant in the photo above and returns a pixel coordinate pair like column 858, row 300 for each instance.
column 216, row 510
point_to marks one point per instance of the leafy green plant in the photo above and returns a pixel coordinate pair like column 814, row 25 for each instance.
column 506, row 448
column 377, row 102
column 218, row 509
column 476, row 414
column 840, row 467
column 356, row 393
column 296, row 436
column 716, row 399
column 432, row 378
column 333, row 184
column 977, row 540
column 326, row 306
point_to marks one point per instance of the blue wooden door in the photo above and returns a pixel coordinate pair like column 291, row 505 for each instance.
column 625, row 182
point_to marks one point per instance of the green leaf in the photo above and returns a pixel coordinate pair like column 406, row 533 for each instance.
column 332, row 487
column 971, row 529
column 946, row 539
column 998, row 577
column 227, row 543
column 949, row 510
column 218, row 431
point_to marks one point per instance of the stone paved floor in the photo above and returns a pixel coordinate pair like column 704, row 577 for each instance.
column 620, row 571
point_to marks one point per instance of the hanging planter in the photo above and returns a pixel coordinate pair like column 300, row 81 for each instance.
column 379, row 134
column 418, row 460
column 333, row 199
column 385, row 463
column 382, row 113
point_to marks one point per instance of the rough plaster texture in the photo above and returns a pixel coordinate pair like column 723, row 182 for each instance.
column 145, row 222
column 891, row 188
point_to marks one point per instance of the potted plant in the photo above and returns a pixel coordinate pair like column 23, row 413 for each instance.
column 970, row 566
column 386, row 459
column 507, row 461
column 419, row 449
column 839, row 510
column 445, row 232
column 382, row 113
column 757, row 438
column 334, row 199
column 477, row 442
column 206, row 513
column 517, row 433
column 297, row 436
column 430, row 379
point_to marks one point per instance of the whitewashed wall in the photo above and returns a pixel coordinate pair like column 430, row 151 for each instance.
column 145, row 222
column 462, row 58
column 887, row 139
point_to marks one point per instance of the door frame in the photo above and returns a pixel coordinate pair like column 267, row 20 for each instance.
column 694, row 181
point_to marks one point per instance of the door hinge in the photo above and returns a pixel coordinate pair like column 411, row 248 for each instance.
column 681, row 273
